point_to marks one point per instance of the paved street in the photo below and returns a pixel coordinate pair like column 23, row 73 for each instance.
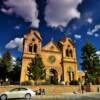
column 90, row 96
column 71, row 97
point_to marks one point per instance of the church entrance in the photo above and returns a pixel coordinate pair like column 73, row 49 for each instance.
column 53, row 76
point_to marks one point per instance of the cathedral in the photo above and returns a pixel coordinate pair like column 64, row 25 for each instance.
column 59, row 58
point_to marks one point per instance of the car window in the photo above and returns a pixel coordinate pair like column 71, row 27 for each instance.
column 23, row 89
column 15, row 89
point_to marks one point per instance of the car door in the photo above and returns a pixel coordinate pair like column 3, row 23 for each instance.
column 13, row 93
column 22, row 92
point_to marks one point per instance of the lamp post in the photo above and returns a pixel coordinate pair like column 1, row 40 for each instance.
column 86, row 77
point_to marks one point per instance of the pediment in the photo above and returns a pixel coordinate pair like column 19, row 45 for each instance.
column 51, row 46
column 67, row 41
column 33, row 34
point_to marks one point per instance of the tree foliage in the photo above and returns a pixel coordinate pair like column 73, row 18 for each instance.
column 36, row 69
column 8, row 69
column 89, row 59
column 6, row 65
column 15, row 73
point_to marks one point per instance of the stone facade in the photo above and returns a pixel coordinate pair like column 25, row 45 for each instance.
column 59, row 59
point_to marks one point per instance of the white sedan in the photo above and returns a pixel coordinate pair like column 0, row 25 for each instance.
column 21, row 92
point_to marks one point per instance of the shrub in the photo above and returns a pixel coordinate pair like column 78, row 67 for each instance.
column 6, row 83
column 26, row 83
column 74, row 82
column 93, row 81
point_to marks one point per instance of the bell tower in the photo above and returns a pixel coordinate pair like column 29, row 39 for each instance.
column 69, row 61
column 31, row 47
column 32, row 42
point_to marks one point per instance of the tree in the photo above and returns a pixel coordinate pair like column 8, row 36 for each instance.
column 89, row 59
column 15, row 73
column 2, row 71
column 36, row 69
column 6, row 64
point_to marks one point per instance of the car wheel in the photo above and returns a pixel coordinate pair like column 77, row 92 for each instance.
column 28, row 96
column 3, row 97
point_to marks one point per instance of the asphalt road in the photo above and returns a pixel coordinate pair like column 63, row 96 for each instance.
column 66, row 97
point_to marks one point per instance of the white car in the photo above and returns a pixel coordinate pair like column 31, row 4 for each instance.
column 20, row 92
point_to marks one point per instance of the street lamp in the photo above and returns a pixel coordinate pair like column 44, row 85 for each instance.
column 86, row 77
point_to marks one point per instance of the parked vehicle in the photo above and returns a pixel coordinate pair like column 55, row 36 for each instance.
column 20, row 92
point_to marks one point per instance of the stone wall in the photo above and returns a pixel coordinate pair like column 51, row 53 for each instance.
column 53, row 89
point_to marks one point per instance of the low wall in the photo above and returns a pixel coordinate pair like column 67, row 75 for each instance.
column 52, row 89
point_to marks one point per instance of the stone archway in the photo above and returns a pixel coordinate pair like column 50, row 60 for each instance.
column 52, row 72
column 53, row 76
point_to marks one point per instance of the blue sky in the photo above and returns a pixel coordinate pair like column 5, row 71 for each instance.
column 78, row 19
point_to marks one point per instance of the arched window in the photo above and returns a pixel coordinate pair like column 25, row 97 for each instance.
column 35, row 48
column 67, row 54
column 30, row 48
column 71, row 53
column 33, row 39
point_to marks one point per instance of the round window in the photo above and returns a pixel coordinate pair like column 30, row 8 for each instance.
column 52, row 59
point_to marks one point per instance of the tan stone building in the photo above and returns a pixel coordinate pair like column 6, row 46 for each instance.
column 59, row 59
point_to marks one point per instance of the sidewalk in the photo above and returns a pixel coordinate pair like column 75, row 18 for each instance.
column 70, row 96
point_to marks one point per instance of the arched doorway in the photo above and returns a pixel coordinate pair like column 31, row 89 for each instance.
column 53, row 76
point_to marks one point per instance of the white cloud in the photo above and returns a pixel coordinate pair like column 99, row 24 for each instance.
column 94, row 30
column 77, row 36
column 7, row 11
column 89, row 33
column 60, row 12
column 27, row 9
column 90, row 20
column 16, row 43
column 13, row 60
column 17, row 27
column 98, row 52
column 96, row 35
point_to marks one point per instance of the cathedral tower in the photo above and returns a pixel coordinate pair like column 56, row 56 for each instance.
column 31, row 47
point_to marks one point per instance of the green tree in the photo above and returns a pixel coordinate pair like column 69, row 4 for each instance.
column 6, row 64
column 15, row 73
column 2, row 71
column 89, row 59
column 36, row 69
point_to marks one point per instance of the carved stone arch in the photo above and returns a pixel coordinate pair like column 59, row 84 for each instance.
column 54, row 74
column 58, row 69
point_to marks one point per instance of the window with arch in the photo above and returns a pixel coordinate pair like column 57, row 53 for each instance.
column 33, row 39
column 67, row 53
column 71, row 53
column 35, row 48
column 30, row 47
